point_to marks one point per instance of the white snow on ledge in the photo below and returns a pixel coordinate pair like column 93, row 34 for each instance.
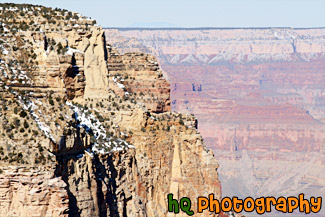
column 31, row 107
column 92, row 125
column 71, row 51
column 4, row 51
column 117, row 83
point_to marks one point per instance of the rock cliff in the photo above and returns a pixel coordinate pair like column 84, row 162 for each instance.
column 142, row 76
column 86, row 131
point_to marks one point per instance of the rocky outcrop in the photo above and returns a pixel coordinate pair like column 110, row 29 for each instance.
column 95, row 64
column 96, row 124
column 140, row 74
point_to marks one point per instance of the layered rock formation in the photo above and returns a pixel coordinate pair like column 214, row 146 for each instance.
column 80, row 140
column 258, row 95
column 26, row 192
column 142, row 75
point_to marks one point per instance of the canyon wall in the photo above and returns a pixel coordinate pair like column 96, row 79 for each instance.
column 258, row 94
column 86, row 131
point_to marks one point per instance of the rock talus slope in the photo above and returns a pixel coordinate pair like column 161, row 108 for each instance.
column 86, row 131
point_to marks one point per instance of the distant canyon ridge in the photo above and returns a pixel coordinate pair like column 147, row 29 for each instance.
column 258, row 94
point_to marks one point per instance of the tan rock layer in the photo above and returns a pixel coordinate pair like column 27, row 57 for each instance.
column 30, row 192
column 142, row 75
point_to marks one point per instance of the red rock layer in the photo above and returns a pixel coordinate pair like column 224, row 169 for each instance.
column 258, row 94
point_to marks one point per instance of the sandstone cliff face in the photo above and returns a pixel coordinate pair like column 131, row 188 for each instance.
column 258, row 95
column 78, row 144
column 27, row 192
column 142, row 76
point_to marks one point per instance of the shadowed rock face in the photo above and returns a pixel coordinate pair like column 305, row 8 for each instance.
column 258, row 94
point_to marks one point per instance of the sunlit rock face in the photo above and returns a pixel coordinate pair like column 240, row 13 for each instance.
column 85, row 131
column 258, row 94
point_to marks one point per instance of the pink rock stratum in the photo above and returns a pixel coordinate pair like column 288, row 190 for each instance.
column 259, row 96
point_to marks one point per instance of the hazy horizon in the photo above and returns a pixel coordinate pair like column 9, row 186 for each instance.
column 195, row 13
